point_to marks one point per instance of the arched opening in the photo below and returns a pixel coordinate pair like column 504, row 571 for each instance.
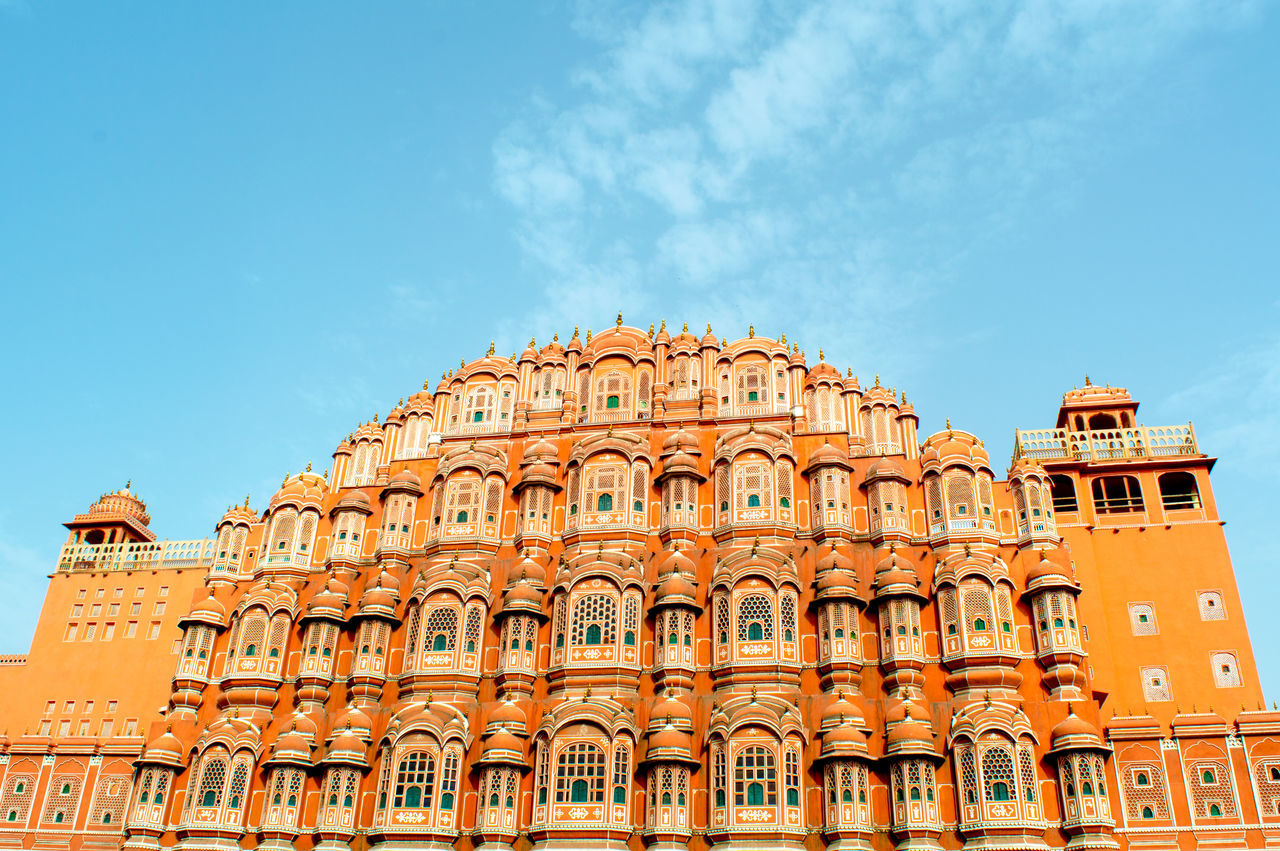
column 1100, row 422
column 1147, row 813
column 593, row 634
column 755, row 631
column 1063, row 492
column 439, row 642
column 753, row 500
column 1141, row 779
column 1178, row 491
column 999, row 791
column 579, row 792
column 755, row 794
column 604, row 502
column 1215, row 811
column 1117, row 495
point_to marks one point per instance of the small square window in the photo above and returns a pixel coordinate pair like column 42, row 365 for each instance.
column 164, row 590
column 111, row 705
column 80, row 594
column 130, row 629
column 98, row 595
column 69, row 707
column 50, row 706
column 138, row 592
column 159, row 609
column 153, row 631
column 118, row 593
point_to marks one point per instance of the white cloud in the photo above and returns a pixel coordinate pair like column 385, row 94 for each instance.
column 717, row 154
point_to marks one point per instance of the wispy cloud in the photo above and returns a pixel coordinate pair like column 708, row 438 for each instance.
column 719, row 155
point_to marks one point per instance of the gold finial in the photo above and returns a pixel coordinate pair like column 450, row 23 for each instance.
column 246, row 500
column 513, row 357
column 490, row 352
column 795, row 348
column 285, row 480
column 650, row 329
column 400, row 404
column 444, row 373
column 555, row 338
column 663, row 326
column 619, row 322
column 588, row 335
column 308, row 466
column 849, row 373
column 966, row 551
column 783, row 339
column 724, row 342
column 1087, row 382
column 822, row 355
column 325, row 474
column 948, row 423
column 708, row 327
column 575, row 330
column 533, row 343
column 425, row 382
column 753, row 694
column 685, row 329
column 128, row 484
column 375, row 416
column 751, row 330
column 462, row 362
column 877, row 379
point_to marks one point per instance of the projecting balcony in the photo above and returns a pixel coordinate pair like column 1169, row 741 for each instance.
column 138, row 555
column 1119, row 444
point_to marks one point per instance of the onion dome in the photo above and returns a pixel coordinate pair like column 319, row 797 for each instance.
column 671, row 710
column 405, row 481
column 552, row 349
column 827, row 455
column 330, row 603
column 1074, row 733
column 844, row 741
column 677, row 562
column 833, row 559
column 952, row 447
column 680, row 441
column 839, row 711
column 507, row 716
column 895, row 576
column 668, row 743
column 165, row 749
column 709, row 339
column 239, row 514
column 353, row 718
column 530, row 570
column 291, row 749
column 522, row 597
column 1052, row 571
column 346, row 748
column 380, row 597
column 823, row 370
column 675, row 590
column 502, row 748
column 885, row 468
column 353, row 501
column 208, row 611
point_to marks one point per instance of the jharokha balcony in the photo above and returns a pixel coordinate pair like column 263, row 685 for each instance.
column 1115, row 444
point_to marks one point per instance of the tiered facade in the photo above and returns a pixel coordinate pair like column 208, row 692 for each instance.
column 644, row 590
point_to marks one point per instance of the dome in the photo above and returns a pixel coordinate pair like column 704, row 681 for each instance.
column 886, row 468
column 123, row 502
column 1073, row 732
column 522, row 596
column 509, row 716
column 291, row 748
column 239, row 515
column 910, row 732
column 953, row 446
column 502, row 741
column 833, row 559
column 165, row 749
column 354, row 501
column 828, row 455
column 843, row 740
column 709, row 339
column 530, row 570
column 823, row 371
column 839, row 711
column 330, row 602
column 895, row 575
column 208, row 610
column 304, row 489
column 671, row 710
column 670, row 739
column 680, row 441
column 677, row 562
column 673, row 590
column 1051, row 572
column 541, row 450
column 353, row 718
column 405, row 481
column 346, row 748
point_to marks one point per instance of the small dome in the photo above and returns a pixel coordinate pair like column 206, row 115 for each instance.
column 839, row 711
column 910, row 732
column 954, row 447
column 502, row 741
column 896, row 573
column 353, row 718
column 677, row 562
column 522, row 595
column 674, row 589
column 833, row 559
column 827, row 455
column 508, row 715
column 886, row 468
column 346, row 748
column 670, row 739
column 671, row 710
column 1074, row 732
column 209, row 610
column 239, row 515
column 680, row 441
column 354, row 501
column 123, row 501
column 844, row 736
column 405, row 481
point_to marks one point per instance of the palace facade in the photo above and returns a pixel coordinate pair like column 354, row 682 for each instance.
column 644, row 590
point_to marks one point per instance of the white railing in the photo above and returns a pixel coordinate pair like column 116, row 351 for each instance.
column 1106, row 444
column 146, row 555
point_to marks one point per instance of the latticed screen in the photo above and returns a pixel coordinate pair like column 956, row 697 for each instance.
column 595, row 620
column 606, row 488
column 1211, row 608
column 1211, row 791
column 580, row 774
column 1155, row 684
column 441, row 629
column 998, row 782
column 1144, row 791
column 463, row 500
column 755, row 618
column 1143, row 619
column 64, row 795
column 213, row 779
column 1226, row 673
column 753, row 485
column 415, row 781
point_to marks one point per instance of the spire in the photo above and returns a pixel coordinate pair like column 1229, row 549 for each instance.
column 619, row 322
column 489, row 353
column 751, row 330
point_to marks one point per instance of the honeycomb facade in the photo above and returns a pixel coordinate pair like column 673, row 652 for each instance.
column 644, row 590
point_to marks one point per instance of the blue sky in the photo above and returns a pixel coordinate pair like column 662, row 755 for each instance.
column 230, row 234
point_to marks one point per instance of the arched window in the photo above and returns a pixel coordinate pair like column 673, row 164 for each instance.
column 755, row 618
column 755, row 778
column 1178, row 491
column 580, row 774
column 1147, row 813
column 1117, row 495
column 595, row 620
column 753, row 484
column 604, row 502
column 1063, row 492
column 415, row 781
